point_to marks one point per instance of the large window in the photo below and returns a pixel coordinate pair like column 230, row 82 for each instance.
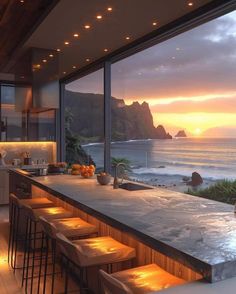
column 174, row 108
column 84, row 120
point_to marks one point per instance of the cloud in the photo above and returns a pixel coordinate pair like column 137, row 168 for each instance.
column 220, row 105
column 199, row 61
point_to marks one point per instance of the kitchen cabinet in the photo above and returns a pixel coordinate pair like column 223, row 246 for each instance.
column 4, row 186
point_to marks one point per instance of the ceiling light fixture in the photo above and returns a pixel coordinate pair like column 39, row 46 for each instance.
column 22, row 1
column 76, row 35
column 87, row 27
column 154, row 23
column 44, row 60
column 109, row 9
column 73, row 66
column 51, row 55
column 190, row 4
column 127, row 38
column 99, row 16
column 105, row 50
column 66, row 43
column 87, row 59
column 58, row 50
column 64, row 72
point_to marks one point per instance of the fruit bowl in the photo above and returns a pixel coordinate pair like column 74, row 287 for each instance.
column 87, row 171
column 103, row 178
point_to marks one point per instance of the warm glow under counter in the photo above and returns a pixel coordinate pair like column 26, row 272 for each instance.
column 197, row 232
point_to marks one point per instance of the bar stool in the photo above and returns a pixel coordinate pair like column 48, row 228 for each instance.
column 15, row 217
column 73, row 228
column 32, row 229
column 92, row 252
column 139, row 280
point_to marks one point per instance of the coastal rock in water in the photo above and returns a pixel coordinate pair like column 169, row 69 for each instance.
column 181, row 134
column 196, row 179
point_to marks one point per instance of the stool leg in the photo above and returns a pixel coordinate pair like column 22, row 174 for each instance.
column 66, row 276
column 16, row 238
column 33, row 262
column 28, row 255
column 46, row 266
column 41, row 261
column 25, row 250
column 13, row 234
column 53, row 263
column 10, row 230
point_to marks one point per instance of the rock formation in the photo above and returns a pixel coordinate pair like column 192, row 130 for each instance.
column 181, row 134
column 129, row 122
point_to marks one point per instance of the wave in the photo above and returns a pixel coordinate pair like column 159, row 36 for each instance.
column 185, row 172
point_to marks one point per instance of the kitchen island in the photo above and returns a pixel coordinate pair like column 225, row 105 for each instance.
column 196, row 236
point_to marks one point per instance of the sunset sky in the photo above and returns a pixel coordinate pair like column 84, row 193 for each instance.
column 189, row 81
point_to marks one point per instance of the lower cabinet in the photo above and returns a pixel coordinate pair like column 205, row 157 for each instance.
column 4, row 187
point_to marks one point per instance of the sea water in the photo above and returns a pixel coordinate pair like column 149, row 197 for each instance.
column 213, row 158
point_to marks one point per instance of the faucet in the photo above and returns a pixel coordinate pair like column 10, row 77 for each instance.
column 116, row 179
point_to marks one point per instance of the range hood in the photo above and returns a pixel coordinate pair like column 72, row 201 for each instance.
column 45, row 79
column 43, row 90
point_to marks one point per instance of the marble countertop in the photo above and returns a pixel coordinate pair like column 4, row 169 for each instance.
column 198, row 232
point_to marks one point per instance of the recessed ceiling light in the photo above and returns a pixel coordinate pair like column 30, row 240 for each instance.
column 51, row 55
column 127, row 38
column 154, row 23
column 99, row 16
column 177, row 48
column 58, row 50
column 22, row 1
column 76, row 35
column 173, row 57
column 73, row 66
column 105, row 50
column 109, row 8
column 87, row 27
column 190, row 3
column 44, row 60
column 66, row 42
column 87, row 59
column 64, row 72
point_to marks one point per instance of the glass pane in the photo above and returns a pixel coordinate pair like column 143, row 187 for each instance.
column 13, row 115
column 84, row 120
column 174, row 111
column 42, row 126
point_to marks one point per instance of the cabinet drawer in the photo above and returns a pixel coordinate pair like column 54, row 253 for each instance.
column 4, row 196
column 4, row 179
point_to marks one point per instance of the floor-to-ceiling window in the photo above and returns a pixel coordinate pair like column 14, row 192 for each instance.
column 84, row 120
column 174, row 111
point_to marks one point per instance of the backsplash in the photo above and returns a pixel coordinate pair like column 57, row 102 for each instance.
column 38, row 151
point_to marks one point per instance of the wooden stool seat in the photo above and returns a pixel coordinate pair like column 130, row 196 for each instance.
column 74, row 227
column 139, row 280
column 101, row 250
column 54, row 212
column 36, row 202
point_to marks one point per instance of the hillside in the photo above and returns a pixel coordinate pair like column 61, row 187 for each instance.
column 128, row 121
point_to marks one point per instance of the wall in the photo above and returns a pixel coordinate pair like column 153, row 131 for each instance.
column 37, row 150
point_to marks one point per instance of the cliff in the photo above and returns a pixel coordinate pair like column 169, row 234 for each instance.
column 133, row 121
column 181, row 134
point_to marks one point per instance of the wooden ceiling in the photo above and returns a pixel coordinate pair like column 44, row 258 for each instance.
column 18, row 18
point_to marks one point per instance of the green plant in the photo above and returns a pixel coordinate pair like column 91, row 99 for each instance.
column 125, row 161
column 223, row 191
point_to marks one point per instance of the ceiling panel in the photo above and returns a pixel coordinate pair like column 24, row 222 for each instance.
column 127, row 21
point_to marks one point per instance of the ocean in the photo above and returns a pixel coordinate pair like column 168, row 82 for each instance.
column 213, row 158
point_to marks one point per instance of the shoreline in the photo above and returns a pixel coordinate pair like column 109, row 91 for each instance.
column 171, row 182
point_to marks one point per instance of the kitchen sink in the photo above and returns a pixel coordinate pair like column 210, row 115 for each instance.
column 134, row 187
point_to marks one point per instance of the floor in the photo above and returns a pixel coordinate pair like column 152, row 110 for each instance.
column 10, row 283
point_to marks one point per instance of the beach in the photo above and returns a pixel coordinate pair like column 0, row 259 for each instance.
column 165, row 163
